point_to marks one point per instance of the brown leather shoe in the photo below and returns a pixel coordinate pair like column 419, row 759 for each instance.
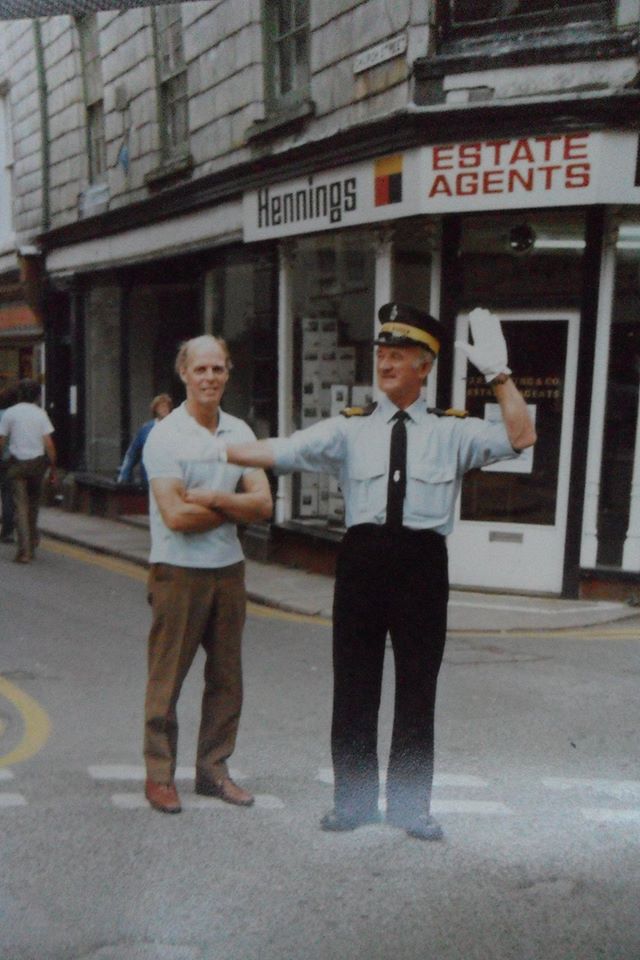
column 162, row 796
column 226, row 790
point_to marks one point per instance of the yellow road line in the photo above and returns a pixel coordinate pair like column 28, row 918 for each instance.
column 102, row 560
column 37, row 725
column 135, row 572
column 611, row 631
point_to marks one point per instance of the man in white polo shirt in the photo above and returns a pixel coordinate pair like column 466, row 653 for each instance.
column 196, row 581
column 31, row 450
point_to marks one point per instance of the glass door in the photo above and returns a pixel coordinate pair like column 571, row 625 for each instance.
column 511, row 524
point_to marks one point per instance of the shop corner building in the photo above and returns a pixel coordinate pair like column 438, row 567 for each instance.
column 273, row 172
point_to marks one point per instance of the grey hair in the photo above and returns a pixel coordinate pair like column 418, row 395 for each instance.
column 206, row 339
column 424, row 355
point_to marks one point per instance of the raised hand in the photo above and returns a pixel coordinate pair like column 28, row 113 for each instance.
column 489, row 350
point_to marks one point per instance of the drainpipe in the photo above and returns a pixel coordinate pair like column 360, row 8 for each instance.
column 44, row 124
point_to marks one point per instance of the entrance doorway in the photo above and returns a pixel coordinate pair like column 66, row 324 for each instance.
column 511, row 516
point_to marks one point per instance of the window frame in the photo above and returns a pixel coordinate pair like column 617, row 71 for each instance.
column 594, row 14
column 173, row 146
column 93, row 92
column 277, row 101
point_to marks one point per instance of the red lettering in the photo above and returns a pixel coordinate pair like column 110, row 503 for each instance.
column 576, row 146
column 549, row 170
column 470, row 155
column 497, row 146
column 440, row 157
column 440, row 186
column 466, row 184
column 493, row 181
column 578, row 175
column 522, row 151
column 547, row 145
column 519, row 178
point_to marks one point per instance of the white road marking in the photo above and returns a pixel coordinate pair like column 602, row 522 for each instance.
column 6, row 774
column 137, row 801
column 325, row 775
column 597, row 815
column 619, row 789
column 115, row 771
column 12, row 800
column 458, row 780
column 470, row 806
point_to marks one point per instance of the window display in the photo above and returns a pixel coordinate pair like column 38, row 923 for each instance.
column 333, row 316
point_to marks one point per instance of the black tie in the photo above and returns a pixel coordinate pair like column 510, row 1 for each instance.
column 397, row 471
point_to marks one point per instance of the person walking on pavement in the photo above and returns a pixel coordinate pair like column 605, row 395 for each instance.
column 400, row 466
column 27, row 428
column 160, row 407
column 196, row 580
column 8, row 397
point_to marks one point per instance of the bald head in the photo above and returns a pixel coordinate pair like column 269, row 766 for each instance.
column 196, row 344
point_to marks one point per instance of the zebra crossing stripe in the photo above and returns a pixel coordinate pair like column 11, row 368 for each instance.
column 471, row 806
column 601, row 815
column 619, row 789
column 325, row 775
column 12, row 800
column 136, row 772
column 137, row 801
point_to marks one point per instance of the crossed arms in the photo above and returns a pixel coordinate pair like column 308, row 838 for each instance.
column 199, row 510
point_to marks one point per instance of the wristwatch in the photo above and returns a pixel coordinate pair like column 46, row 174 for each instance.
column 500, row 378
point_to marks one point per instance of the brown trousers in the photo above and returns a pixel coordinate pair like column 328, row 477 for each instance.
column 193, row 607
column 26, row 477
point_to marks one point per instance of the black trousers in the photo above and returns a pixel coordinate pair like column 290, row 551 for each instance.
column 396, row 583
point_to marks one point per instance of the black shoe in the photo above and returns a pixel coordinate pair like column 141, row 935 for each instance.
column 337, row 822
column 423, row 826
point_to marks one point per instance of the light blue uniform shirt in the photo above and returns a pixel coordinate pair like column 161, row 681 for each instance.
column 179, row 447
column 440, row 450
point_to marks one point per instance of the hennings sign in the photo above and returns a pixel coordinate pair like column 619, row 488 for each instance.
column 564, row 169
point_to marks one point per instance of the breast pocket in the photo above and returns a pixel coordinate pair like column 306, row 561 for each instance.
column 367, row 482
column 431, row 490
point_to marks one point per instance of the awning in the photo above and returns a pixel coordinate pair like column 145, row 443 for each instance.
column 19, row 320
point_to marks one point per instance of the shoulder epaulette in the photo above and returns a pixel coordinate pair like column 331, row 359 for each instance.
column 451, row 412
column 358, row 411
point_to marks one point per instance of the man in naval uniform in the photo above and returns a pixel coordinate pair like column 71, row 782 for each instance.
column 399, row 466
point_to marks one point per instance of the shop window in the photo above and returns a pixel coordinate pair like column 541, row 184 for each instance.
column 241, row 306
column 93, row 94
column 286, row 41
column 172, row 81
column 621, row 412
column 465, row 19
column 333, row 315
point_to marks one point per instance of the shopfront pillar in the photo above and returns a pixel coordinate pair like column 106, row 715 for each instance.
column 589, row 545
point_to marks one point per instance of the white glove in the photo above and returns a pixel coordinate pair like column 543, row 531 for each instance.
column 489, row 350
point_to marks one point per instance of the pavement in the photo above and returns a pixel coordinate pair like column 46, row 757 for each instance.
column 298, row 591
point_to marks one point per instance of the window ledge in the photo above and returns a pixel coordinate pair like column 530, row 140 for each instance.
column 280, row 122
column 531, row 48
column 169, row 171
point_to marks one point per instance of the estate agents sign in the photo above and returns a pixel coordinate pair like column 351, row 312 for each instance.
column 563, row 169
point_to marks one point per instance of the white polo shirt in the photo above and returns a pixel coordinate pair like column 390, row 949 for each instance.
column 26, row 425
column 179, row 447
